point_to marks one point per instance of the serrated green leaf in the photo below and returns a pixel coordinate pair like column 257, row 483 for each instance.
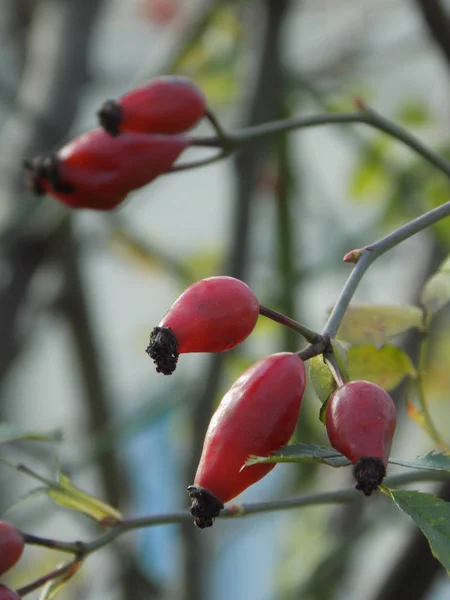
column 378, row 324
column 431, row 462
column 66, row 494
column 12, row 433
column 436, row 291
column 386, row 366
column 432, row 515
column 54, row 586
column 302, row 452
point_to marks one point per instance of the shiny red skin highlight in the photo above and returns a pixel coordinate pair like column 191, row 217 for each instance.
column 168, row 104
column 103, row 170
column 213, row 315
column 360, row 421
column 7, row 593
column 11, row 546
column 257, row 416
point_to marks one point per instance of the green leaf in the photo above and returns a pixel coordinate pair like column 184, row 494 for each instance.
column 432, row 462
column 436, row 291
column 321, row 378
column 66, row 494
column 378, row 324
column 386, row 366
column 432, row 515
column 12, row 433
column 341, row 357
column 320, row 374
column 300, row 453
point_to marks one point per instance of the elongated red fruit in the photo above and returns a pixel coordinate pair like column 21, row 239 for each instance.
column 258, row 415
column 360, row 422
column 212, row 315
column 96, row 171
column 11, row 546
column 168, row 104
column 7, row 593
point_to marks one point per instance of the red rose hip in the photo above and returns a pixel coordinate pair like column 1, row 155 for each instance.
column 11, row 546
column 212, row 315
column 96, row 171
column 258, row 416
column 7, row 593
column 168, row 104
column 360, row 422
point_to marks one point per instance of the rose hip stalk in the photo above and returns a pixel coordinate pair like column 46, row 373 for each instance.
column 360, row 422
column 212, row 315
column 258, row 415
column 97, row 171
column 168, row 104
column 11, row 546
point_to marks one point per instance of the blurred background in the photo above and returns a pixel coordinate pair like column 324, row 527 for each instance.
column 80, row 292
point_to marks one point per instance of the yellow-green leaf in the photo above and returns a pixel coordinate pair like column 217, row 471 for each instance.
column 378, row 324
column 386, row 366
column 66, row 494
column 12, row 433
column 321, row 378
column 436, row 291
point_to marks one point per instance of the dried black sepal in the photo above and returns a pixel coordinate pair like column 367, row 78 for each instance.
column 110, row 116
column 369, row 472
column 205, row 506
column 163, row 349
column 45, row 167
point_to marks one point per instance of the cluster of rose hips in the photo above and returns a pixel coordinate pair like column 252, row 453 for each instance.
column 259, row 414
column 140, row 138
column 12, row 544
column 142, row 135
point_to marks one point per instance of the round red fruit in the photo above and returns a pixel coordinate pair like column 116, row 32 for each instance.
column 96, row 171
column 168, row 104
column 7, row 593
column 212, row 315
column 360, row 422
column 11, row 546
column 257, row 416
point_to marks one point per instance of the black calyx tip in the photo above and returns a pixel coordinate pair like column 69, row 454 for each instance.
column 163, row 349
column 110, row 116
column 45, row 168
column 205, row 506
column 369, row 472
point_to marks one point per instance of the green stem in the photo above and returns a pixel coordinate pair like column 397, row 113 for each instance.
column 82, row 549
column 38, row 583
column 198, row 163
column 311, row 336
column 370, row 253
column 366, row 116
